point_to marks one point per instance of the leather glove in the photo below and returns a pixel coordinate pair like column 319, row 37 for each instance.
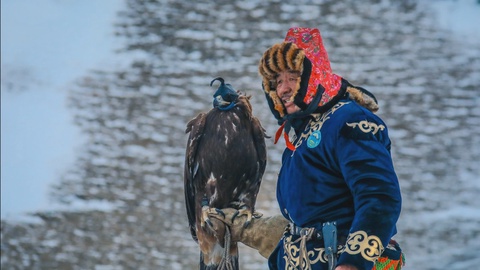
column 262, row 233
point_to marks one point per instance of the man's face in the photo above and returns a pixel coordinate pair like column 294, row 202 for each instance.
column 286, row 82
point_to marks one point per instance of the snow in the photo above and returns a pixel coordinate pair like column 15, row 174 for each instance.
column 198, row 35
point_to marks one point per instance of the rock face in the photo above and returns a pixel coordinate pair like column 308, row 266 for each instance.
column 427, row 85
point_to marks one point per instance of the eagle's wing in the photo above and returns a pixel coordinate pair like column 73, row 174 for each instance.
column 195, row 127
column 259, row 141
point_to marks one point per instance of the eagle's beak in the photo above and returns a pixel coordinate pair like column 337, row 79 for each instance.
column 218, row 101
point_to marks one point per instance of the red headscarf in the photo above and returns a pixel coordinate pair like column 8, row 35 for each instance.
column 310, row 41
column 318, row 87
column 302, row 51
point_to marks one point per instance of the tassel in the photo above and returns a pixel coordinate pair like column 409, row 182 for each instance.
column 285, row 135
column 279, row 132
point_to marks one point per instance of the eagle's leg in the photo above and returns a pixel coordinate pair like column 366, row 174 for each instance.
column 244, row 210
column 206, row 209
column 204, row 219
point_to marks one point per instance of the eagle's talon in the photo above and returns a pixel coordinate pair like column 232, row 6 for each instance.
column 235, row 215
column 257, row 215
column 209, row 222
column 219, row 212
column 243, row 211
column 204, row 218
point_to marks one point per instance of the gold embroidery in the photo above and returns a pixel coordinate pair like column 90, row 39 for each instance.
column 294, row 260
column 317, row 123
column 369, row 246
column 367, row 127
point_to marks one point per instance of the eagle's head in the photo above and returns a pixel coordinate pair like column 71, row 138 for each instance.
column 225, row 96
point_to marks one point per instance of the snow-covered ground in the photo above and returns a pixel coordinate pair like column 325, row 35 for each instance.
column 47, row 44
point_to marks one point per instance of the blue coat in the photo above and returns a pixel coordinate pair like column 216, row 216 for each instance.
column 341, row 170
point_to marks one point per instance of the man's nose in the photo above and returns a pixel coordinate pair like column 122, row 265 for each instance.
column 284, row 88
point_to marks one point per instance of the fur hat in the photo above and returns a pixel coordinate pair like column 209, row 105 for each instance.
column 302, row 51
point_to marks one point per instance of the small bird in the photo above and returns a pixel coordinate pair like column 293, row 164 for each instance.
column 224, row 164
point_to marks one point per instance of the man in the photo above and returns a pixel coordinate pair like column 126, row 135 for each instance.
column 337, row 188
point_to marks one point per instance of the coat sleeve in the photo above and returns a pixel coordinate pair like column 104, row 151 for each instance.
column 363, row 151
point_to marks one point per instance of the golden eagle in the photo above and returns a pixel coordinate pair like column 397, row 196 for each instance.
column 224, row 164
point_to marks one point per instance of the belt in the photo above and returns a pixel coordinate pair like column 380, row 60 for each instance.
column 317, row 234
column 299, row 231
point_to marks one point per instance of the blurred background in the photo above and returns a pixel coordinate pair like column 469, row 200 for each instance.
column 95, row 97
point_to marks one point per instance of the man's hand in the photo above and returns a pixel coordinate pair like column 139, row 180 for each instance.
column 262, row 234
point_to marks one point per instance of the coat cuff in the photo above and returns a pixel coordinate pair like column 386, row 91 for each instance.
column 361, row 250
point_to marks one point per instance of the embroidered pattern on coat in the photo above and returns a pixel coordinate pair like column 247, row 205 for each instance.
column 317, row 122
column 367, row 127
column 294, row 260
column 369, row 246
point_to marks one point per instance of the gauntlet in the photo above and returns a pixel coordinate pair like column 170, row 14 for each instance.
column 262, row 233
